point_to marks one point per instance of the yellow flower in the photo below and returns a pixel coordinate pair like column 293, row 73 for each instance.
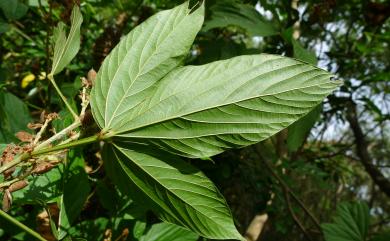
column 27, row 80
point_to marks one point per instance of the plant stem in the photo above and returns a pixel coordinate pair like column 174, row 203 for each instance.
column 51, row 78
column 59, row 135
column 14, row 162
column 21, row 225
column 80, row 142
column 27, row 155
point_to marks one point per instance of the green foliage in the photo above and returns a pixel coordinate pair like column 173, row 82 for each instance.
column 381, row 237
column 303, row 54
column 159, row 102
column 178, row 192
column 141, row 59
column 298, row 131
column 74, row 194
column 227, row 105
column 42, row 189
column 168, row 232
column 231, row 13
column 66, row 48
column 13, row 9
column 350, row 223
column 141, row 95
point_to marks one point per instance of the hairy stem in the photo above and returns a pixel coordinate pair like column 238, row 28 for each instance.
column 37, row 152
column 18, row 159
column 80, row 142
column 59, row 135
column 21, row 225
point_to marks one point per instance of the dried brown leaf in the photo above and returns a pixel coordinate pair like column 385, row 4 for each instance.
column 24, row 136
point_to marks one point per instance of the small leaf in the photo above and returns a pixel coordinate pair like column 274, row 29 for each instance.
column 178, row 192
column 230, row 13
column 350, row 223
column 66, row 48
column 168, row 232
column 140, row 60
column 303, row 54
column 299, row 130
column 139, row 229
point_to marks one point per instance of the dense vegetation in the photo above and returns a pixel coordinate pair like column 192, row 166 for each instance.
column 298, row 152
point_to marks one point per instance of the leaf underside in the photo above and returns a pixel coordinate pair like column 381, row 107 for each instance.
column 200, row 111
column 178, row 192
column 143, row 57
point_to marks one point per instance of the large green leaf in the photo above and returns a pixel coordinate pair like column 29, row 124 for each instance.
column 66, row 48
column 230, row 13
column 199, row 111
column 350, row 223
column 142, row 58
column 178, row 192
column 168, row 232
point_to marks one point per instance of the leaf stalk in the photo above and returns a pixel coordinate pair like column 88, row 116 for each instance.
column 51, row 78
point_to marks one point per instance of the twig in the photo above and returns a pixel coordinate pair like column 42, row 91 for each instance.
column 20, row 178
column 41, row 131
column 14, row 162
column 41, row 148
column 285, row 186
column 295, row 218
column 59, row 135
column 362, row 151
column 21, row 225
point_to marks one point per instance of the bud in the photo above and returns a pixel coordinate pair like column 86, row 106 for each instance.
column 91, row 76
column 43, row 168
column 18, row 185
column 7, row 201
